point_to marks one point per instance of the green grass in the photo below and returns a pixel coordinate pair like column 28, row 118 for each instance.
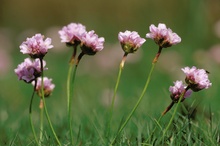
column 90, row 114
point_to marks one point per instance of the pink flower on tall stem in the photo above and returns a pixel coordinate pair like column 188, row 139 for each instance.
column 197, row 79
column 48, row 86
column 36, row 46
column 91, row 43
column 177, row 90
column 29, row 70
column 72, row 33
column 163, row 36
column 130, row 41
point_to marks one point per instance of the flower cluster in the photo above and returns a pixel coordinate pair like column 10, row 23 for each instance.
column 197, row 79
column 48, row 86
column 29, row 70
column 35, row 46
column 130, row 41
column 163, row 36
column 76, row 34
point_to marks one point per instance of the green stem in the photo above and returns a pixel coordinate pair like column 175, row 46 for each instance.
column 69, row 87
column 70, row 105
column 136, row 105
column 41, row 106
column 175, row 111
column 45, row 106
column 115, row 90
column 70, row 91
column 71, row 62
column 30, row 113
column 32, row 127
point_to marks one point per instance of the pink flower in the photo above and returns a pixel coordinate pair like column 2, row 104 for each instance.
column 197, row 79
column 177, row 90
column 163, row 36
column 29, row 70
column 36, row 47
column 91, row 43
column 72, row 33
column 130, row 41
column 48, row 86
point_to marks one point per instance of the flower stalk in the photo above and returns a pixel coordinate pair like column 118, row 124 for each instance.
column 136, row 105
column 30, row 114
column 44, row 103
column 157, row 55
column 175, row 110
column 41, row 106
column 115, row 90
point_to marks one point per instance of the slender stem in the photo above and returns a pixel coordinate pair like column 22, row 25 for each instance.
column 136, row 105
column 175, row 111
column 32, row 127
column 71, row 86
column 79, row 58
column 69, row 94
column 157, row 55
column 70, row 106
column 73, row 55
column 71, row 62
column 115, row 91
column 41, row 106
column 45, row 106
column 70, row 89
column 30, row 113
column 168, row 108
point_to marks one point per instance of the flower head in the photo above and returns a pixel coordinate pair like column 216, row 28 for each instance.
column 48, row 86
column 197, row 79
column 72, row 33
column 177, row 90
column 29, row 70
column 130, row 41
column 35, row 46
column 91, row 43
column 163, row 36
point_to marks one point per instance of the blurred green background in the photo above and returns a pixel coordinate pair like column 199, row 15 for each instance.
column 197, row 22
